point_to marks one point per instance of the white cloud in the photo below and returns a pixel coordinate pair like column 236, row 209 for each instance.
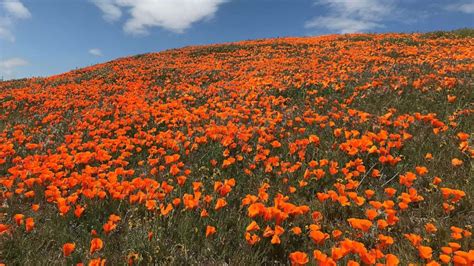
column 95, row 52
column 5, row 32
column 342, row 25
column 466, row 7
column 16, row 9
column 173, row 15
column 8, row 66
column 111, row 11
column 12, row 10
column 348, row 16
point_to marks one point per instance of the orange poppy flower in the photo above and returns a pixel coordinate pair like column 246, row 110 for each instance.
column 210, row 230
column 421, row 170
column 314, row 139
column 338, row 253
column 97, row 262
column 268, row 232
column 445, row 258
column 18, row 218
column 298, row 258
column 68, row 248
column 318, row 237
column 252, row 227
column 451, row 98
column 4, row 228
column 255, row 209
column 96, row 245
column 29, row 224
column 463, row 258
column 430, row 228
column 275, row 144
column 456, row 162
column 360, row 224
column 369, row 193
column 352, row 263
column 166, row 210
column 108, row 227
column 436, row 180
column 275, row 240
column 35, row 207
column 151, row 204
column 251, row 239
column 336, row 233
column 425, row 252
column 391, row 260
column 371, row 214
column 78, row 211
column 228, row 162
column 390, row 191
column 221, row 203
column 296, row 230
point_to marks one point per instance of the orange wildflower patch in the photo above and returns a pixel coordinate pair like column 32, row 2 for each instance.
column 339, row 149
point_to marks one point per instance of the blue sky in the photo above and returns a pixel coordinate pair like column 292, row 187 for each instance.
column 46, row 37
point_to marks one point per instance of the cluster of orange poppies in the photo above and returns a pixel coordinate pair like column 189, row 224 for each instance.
column 308, row 138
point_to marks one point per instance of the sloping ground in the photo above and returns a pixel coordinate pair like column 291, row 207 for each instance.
column 333, row 149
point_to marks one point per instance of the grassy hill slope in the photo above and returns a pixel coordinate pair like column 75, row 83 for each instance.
column 331, row 149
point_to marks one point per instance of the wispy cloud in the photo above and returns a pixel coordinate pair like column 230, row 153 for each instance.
column 16, row 9
column 172, row 15
column 8, row 66
column 12, row 11
column 342, row 25
column 110, row 9
column 5, row 29
column 464, row 7
column 347, row 16
column 95, row 52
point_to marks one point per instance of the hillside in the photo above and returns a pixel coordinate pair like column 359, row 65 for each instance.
column 335, row 149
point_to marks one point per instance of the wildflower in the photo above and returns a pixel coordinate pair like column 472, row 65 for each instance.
column 298, row 258
column 221, row 203
column 430, row 228
column 252, row 227
column 361, row 224
column 18, row 218
column 210, row 230
column 425, row 252
column 96, row 245
column 29, row 224
column 68, row 248
column 456, row 162
column 296, row 230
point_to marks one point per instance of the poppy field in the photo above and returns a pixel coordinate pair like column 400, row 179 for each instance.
column 333, row 150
